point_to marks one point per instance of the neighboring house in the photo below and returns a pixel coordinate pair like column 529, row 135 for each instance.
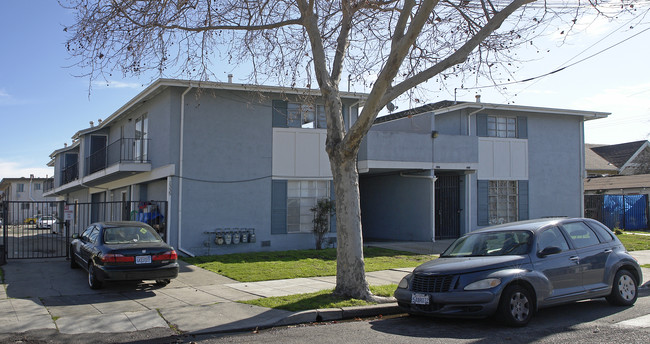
column 226, row 158
column 444, row 169
column 230, row 158
column 617, row 187
column 624, row 159
column 31, row 192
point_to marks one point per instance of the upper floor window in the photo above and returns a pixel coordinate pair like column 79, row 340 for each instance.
column 299, row 115
column 305, row 116
column 37, row 186
column 20, row 187
column 502, row 126
column 499, row 126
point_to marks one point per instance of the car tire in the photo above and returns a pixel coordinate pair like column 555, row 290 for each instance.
column 516, row 306
column 93, row 281
column 625, row 289
column 162, row 282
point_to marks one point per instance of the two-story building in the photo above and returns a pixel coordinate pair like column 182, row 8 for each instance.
column 239, row 167
column 231, row 162
column 444, row 169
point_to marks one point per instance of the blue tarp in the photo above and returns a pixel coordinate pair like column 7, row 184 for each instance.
column 625, row 212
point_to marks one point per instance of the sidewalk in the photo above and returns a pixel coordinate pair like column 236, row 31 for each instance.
column 47, row 294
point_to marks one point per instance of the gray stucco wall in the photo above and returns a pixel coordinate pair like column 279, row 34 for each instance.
column 396, row 208
column 555, row 181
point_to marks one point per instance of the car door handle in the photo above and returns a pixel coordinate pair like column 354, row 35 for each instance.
column 609, row 250
column 575, row 259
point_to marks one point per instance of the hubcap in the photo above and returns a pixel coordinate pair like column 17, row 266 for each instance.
column 626, row 287
column 90, row 275
column 519, row 306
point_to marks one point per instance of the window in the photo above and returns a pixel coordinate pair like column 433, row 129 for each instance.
column 502, row 201
column 20, row 188
column 498, row 126
column 37, row 186
column 603, row 232
column 581, row 234
column 302, row 195
column 552, row 237
column 25, row 205
column 305, row 116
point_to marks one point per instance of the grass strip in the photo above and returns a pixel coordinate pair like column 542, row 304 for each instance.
column 266, row 266
column 318, row 300
column 634, row 242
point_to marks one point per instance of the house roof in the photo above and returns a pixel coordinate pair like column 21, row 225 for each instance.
column 618, row 182
column 448, row 106
column 597, row 164
column 619, row 154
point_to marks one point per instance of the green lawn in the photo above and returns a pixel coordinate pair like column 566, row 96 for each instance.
column 634, row 242
column 266, row 266
column 319, row 300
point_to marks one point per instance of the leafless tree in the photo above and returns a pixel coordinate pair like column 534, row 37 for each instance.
column 313, row 43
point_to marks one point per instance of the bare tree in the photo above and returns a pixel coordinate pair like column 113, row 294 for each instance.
column 405, row 43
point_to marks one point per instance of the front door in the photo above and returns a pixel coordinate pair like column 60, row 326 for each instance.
column 447, row 201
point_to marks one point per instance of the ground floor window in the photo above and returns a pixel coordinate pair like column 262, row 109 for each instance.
column 502, row 201
column 302, row 195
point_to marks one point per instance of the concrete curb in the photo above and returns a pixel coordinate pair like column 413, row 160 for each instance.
column 336, row 314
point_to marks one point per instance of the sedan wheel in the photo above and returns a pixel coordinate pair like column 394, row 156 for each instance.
column 516, row 306
column 93, row 282
column 624, row 289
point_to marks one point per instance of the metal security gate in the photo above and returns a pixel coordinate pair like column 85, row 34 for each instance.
column 447, row 201
column 43, row 229
column 33, row 230
column 618, row 211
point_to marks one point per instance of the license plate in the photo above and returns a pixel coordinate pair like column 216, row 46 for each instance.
column 142, row 259
column 419, row 299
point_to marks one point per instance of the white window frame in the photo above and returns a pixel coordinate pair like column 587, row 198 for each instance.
column 302, row 195
column 502, row 126
column 503, row 201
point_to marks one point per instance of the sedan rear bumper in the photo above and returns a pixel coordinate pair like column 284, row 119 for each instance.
column 118, row 273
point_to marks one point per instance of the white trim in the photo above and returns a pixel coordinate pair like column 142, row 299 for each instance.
column 365, row 165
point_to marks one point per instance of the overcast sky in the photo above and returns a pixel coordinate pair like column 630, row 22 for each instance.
column 43, row 103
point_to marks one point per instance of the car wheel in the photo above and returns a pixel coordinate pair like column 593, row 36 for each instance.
column 162, row 282
column 93, row 282
column 516, row 306
column 624, row 289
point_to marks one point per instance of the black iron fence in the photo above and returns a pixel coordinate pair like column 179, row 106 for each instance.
column 43, row 229
column 618, row 211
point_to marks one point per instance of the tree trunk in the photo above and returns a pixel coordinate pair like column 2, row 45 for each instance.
column 350, row 275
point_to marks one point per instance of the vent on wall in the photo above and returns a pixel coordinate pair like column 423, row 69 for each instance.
column 266, row 243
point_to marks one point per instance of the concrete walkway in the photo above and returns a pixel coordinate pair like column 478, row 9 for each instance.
column 47, row 294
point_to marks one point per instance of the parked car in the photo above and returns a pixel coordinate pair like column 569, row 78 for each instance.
column 123, row 251
column 512, row 270
column 46, row 221
column 30, row 220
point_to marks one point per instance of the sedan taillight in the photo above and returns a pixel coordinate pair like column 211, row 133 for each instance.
column 117, row 258
column 169, row 255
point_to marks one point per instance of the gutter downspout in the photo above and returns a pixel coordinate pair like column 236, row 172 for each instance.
column 31, row 179
column 433, row 199
column 469, row 122
column 180, row 174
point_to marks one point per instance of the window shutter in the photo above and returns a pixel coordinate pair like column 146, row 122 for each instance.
column 522, row 198
column 482, row 211
column 278, row 207
column 481, row 125
column 279, row 113
column 522, row 127
column 333, row 199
